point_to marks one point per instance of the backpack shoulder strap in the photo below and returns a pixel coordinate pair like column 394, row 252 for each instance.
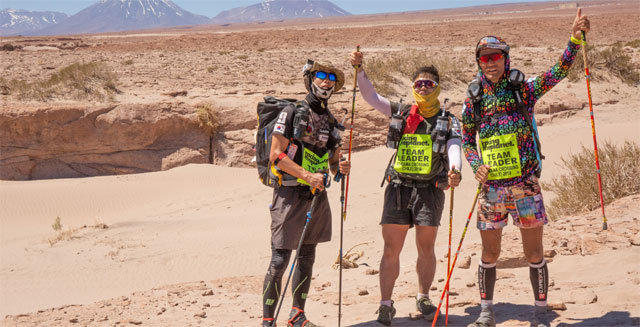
column 477, row 111
column 405, row 109
column 522, row 108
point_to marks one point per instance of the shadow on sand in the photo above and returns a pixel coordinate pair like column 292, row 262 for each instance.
column 612, row 318
column 514, row 312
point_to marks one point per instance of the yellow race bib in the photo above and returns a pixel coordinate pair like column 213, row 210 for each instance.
column 501, row 153
column 313, row 163
column 414, row 154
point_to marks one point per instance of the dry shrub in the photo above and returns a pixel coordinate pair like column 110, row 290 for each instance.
column 384, row 71
column 610, row 59
column 57, row 225
column 577, row 191
column 634, row 44
column 9, row 47
column 208, row 118
column 70, row 233
column 90, row 81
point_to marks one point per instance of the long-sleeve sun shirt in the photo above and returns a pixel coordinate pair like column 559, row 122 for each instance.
column 500, row 116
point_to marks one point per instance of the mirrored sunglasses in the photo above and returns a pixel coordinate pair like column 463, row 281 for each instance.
column 491, row 57
column 323, row 75
column 424, row 83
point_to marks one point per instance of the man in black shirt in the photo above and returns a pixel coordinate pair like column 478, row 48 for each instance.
column 304, row 145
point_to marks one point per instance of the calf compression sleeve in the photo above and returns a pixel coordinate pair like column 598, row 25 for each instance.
column 539, row 275
column 273, row 281
column 486, row 282
column 302, row 276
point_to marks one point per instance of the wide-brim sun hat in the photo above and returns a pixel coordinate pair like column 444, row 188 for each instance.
column 316, row 67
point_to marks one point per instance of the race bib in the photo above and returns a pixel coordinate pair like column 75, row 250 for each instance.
column 313, row 163
column 501, row 153
column 414, row 154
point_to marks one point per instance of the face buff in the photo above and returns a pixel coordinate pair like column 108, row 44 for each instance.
column 320, row 92
column 428, row 105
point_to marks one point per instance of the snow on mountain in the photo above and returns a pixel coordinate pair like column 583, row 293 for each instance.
column 17, row 21
column 124, row 15
column 280, row 10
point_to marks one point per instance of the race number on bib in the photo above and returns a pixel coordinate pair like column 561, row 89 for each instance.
column 501, row 153
column 414, row 154
column 313, row 163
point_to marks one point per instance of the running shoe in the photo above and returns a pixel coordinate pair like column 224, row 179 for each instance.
column 386, row 314
column 486, row 318
column 540, row 317
column 425, row 307
column 298, row 319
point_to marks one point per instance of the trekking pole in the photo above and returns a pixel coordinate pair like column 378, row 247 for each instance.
column 353, row 109
column 342, row 212
column 446, row 286
column 304, row 231
column 593, row 126
column 446, row 321
column 340, row 177
column 344, row 191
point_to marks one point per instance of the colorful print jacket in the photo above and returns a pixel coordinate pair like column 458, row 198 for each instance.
column 499, row 103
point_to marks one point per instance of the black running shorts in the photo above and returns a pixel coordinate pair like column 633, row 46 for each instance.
column 405, row 205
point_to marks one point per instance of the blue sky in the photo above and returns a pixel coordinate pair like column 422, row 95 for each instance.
column 211, row 8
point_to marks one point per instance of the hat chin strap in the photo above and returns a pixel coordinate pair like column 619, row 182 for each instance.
column 320, row 92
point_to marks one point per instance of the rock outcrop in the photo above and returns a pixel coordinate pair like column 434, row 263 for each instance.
column 77, row 141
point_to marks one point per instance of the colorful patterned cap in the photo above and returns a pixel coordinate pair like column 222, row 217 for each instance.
column 492, row 42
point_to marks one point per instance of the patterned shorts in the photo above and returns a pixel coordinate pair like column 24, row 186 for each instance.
column 523, row 201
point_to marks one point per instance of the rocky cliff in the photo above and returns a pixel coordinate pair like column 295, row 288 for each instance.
column 85, row 140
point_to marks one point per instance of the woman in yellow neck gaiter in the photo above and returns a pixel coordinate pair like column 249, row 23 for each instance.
column 426, row 91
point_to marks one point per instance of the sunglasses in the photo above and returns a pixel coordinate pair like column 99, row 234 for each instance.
column 424, row 83
column 323, row 75
column 491, row 57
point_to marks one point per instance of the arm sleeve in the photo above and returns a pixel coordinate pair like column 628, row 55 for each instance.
column 469, row 145
column 369, row 95
column 536, row 87
column 453, row 151
column 454, row 144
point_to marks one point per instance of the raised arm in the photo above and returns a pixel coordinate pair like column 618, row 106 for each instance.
column 367, row 90
column 536, row 87
column 369, row 95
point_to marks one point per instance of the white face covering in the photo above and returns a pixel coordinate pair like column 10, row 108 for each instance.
column 320, row 92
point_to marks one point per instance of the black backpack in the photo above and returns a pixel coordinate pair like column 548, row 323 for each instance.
column 268, row 112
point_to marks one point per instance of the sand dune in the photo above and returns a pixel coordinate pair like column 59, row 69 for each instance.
column 190, row 246
column 174, row 235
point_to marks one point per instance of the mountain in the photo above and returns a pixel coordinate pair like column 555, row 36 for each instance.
column 124, row 15
column 17, row 21
column 280, row 10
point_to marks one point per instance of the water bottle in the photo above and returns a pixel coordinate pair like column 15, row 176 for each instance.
column 441, row 131
column 300, row 122
column 395, row 131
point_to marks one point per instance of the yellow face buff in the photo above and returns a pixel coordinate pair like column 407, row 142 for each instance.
column 428, row 104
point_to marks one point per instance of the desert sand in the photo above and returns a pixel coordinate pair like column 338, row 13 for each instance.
column 189, row 246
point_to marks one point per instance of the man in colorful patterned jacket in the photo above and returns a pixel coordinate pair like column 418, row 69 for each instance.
column 508, row 163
